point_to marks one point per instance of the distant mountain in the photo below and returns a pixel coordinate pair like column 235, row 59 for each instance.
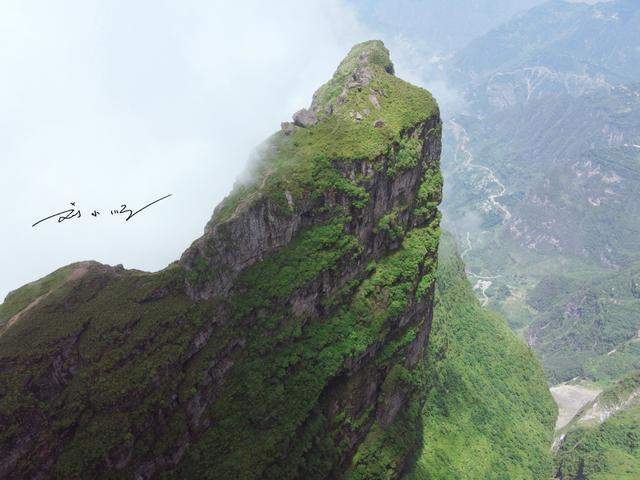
column 571, row 171
column 439, row 27
column 542, row 189
column 542, row 178
column 556, row 47
column 586, row 323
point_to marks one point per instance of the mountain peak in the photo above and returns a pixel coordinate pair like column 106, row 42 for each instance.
column 366, row 54
column 288, row 341
column 356, row 115
column 364, row 62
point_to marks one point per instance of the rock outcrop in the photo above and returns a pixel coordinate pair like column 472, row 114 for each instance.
column 287, row 342
column 305, row 118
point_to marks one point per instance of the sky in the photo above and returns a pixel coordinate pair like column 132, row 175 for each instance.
column 116, row 102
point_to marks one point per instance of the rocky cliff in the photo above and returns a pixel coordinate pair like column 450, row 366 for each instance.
column 287, row 342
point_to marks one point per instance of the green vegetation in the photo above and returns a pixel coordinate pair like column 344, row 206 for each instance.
column 590, row 325
column 287, row 375
column 608, row 368
column 621, row 392
column 488, row 413
column 297, row 162
column 389, row 224
column 382, row 455
column 377, row 56
column 608, row 450
column 430, row 191
column 267, row 407
column 300, row 361
column 22, row 297
column 407, row 155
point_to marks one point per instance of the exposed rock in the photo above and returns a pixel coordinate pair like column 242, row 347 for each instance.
column 374, row 101
column 305, row 118
column 287, row 128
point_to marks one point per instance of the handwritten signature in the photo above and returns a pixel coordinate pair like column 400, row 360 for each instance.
column 71, row 213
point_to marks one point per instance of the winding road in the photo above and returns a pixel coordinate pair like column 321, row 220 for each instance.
column 483, row 282
column 462, row 141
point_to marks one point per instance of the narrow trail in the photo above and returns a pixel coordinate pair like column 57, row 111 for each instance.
column 483, row 283
column 468, row 247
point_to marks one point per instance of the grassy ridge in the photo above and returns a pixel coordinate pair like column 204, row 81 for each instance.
column 295, row 372
column 610, row 451
column 19, row 299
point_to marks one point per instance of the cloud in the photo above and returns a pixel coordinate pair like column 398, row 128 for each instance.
column 419, row 64
column 117, row 102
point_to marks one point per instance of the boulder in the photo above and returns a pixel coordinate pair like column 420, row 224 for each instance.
column 305, row 118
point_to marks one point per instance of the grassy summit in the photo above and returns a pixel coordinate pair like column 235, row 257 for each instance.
column 360, row 113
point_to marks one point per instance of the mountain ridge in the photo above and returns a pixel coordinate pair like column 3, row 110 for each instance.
column 287, row 341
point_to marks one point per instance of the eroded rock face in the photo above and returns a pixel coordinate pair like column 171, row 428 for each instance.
column 287, row 342
column 251, row 234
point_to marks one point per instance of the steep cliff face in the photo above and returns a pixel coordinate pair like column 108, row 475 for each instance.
column 288, row 340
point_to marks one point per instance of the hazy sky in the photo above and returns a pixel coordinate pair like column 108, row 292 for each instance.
column 110, row 102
